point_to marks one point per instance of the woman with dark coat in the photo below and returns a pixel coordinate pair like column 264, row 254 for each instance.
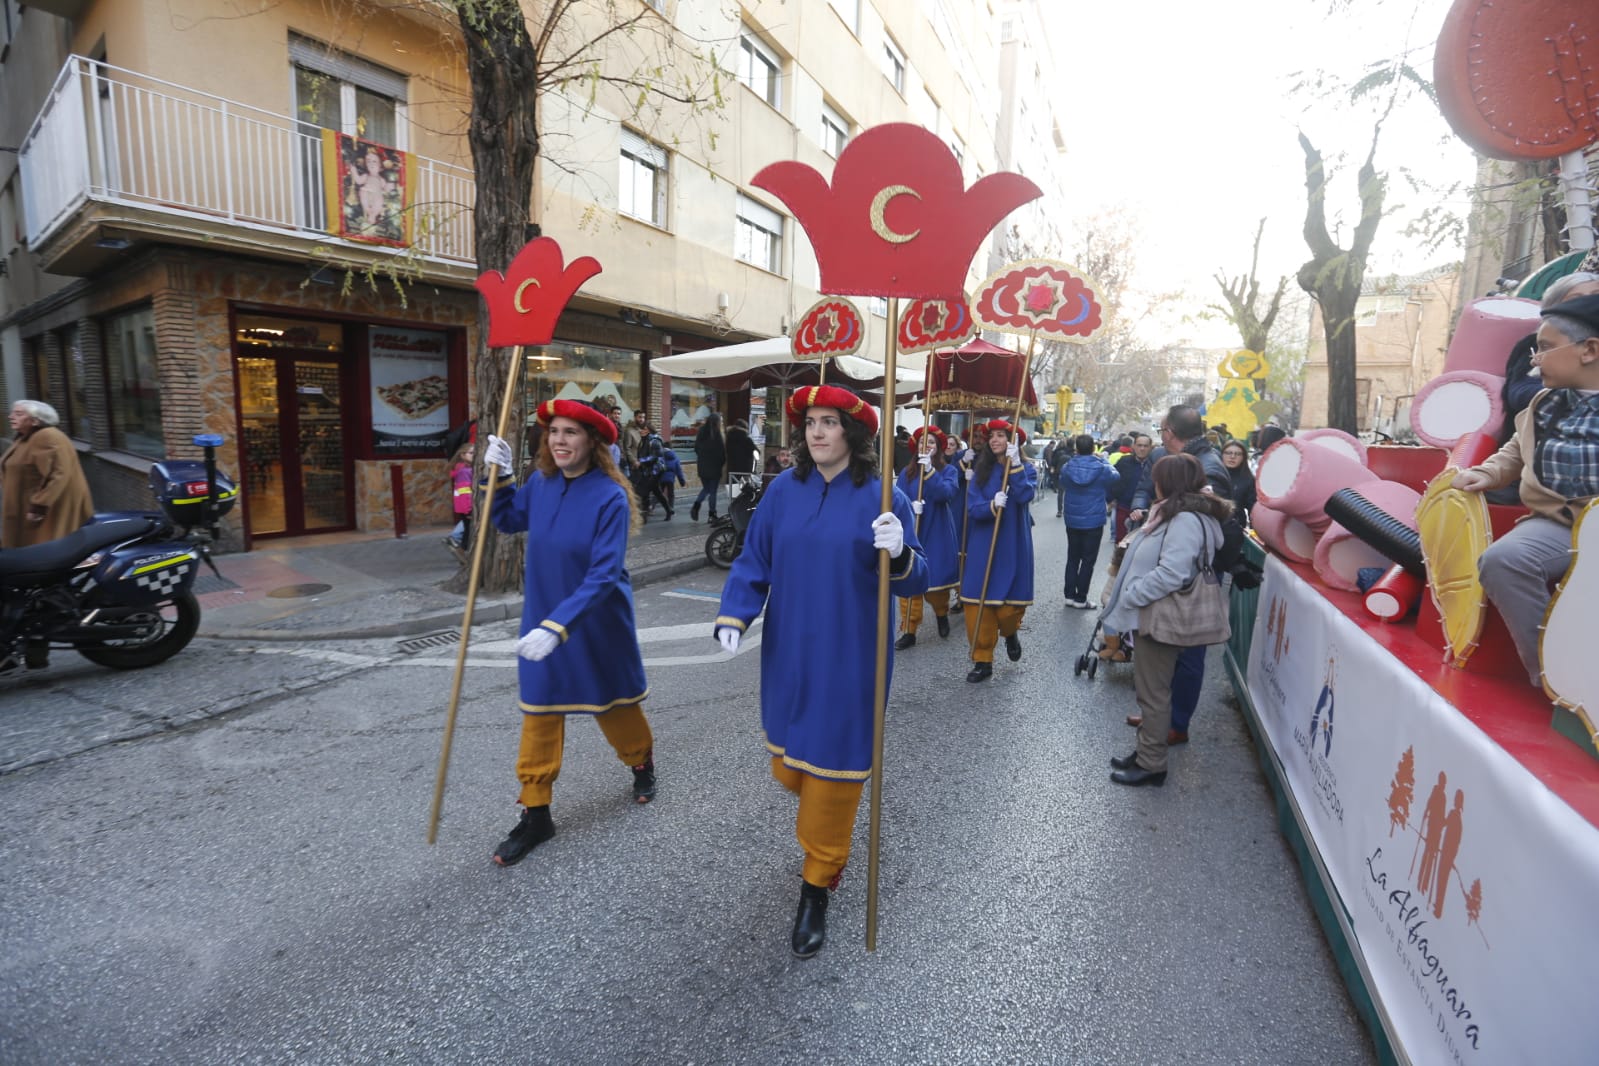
column 740, row 449
column 710, row 453
column 1235, row 457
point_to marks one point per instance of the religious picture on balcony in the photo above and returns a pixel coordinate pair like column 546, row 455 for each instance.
column 369, row 188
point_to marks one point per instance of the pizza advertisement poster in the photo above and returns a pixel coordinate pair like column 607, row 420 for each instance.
column 410, row 389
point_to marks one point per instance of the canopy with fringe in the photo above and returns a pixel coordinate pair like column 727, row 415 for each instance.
column 980, row 377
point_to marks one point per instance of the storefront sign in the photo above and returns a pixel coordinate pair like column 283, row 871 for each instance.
column 1468, row 884
column 410, row 390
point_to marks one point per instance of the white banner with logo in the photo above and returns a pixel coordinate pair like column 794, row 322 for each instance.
column 1472, row 890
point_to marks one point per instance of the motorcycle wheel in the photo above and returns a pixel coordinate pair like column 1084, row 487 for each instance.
column 172, row 625
column 721, row 547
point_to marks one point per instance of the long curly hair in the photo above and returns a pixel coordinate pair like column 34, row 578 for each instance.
column 862, row 452
column 599, row 456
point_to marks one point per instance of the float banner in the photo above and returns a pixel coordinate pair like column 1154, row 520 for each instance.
column 410, row 390
column 1469, row 886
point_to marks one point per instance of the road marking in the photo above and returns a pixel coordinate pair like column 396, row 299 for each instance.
column 692, row 594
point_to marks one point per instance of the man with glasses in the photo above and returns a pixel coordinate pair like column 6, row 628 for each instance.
column 1132, row 469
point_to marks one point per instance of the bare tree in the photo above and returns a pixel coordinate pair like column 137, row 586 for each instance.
column 1242, row 294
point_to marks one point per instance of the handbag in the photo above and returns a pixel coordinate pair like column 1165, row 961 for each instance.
column 1196, row 614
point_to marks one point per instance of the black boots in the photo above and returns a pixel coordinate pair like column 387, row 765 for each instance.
column 1128, row 772
column 694, row 513
column 810, row 924
column 534, row 829
column 906, row 641
column 1013, row 648
column 980, row 672
column 644, row 780
column 943, row 625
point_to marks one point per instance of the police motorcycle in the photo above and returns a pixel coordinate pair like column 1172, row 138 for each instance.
column 120, row 590
column 726, row 538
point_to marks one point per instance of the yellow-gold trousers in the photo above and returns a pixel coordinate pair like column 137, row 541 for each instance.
column 538, row 757
column 997, row 622
column 826, row 820
column 910, row 608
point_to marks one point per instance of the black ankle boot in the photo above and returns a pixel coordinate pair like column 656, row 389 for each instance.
column 908, row 640
column 644, row 780
column 810, row 924
column 943, row 625
column 534, row 829
column 980, row 672
column 1013, row 648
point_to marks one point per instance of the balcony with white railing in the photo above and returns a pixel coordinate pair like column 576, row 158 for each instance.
column 115, row 150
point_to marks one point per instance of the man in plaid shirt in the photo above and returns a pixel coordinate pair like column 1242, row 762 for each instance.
column 1555, row 453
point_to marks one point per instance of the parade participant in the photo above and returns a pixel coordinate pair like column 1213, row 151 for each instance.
column 1554, row 458
column 995, row 610
column 935, row 530
column 810, row 559
column 579, row 646
column 1162, row 557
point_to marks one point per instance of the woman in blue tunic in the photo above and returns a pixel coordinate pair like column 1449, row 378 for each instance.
column 932, row 504
column 579, row 646
column 810, row 560
column 1010, row 579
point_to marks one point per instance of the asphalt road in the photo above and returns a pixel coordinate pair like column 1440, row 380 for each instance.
column 255, row 887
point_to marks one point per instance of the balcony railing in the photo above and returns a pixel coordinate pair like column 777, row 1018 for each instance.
column 115, row 136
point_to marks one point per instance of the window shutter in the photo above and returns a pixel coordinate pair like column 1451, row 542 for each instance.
column 335, row 64
column 639, row 148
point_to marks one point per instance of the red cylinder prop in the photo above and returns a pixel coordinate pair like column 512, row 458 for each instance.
column 1394, row 595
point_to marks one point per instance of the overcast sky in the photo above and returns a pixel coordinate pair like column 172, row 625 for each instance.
column 1184, row 114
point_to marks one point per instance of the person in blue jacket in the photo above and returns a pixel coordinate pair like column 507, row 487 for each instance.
column 931, row 485
column 1000, row 516
column 671, row 478
column 810, row 560
column 579, row 645
column 1087, row 483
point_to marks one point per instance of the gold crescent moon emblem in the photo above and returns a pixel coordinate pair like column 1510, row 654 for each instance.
column 516, row 300
column 880, row 205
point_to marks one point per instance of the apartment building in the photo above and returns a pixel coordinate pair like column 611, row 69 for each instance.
column 259, row 225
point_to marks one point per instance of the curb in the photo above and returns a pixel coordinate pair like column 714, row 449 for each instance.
column 485, row 611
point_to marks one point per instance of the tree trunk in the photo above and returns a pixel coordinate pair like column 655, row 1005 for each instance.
column 503, row 134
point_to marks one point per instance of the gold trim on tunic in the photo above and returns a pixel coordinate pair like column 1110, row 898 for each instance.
column 581, row 708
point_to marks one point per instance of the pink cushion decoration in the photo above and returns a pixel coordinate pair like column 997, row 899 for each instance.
column 1340, row 555
column 1288, row 537
column 1338, row 441
column 1487, row 331
column 1455, row 405
column 1296, row 478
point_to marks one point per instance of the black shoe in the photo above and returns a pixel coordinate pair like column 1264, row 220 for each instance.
column 908, row 640
column 669, row 514
column 1125, row 762
column 1013, row 648
column 36, row 655
column 943, row 625
column 810, row 923
column 980, row 672
column 644, row 780
column 534, row 829
column 1139, row 776
column 694, row 513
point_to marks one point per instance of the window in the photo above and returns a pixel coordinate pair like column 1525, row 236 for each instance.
column 340, row 92
column 877, row 305
column 958, row 146
column 759, row 68
column 835, row 131
column 72, row 403
column 133, row 383
column 894, row 65
column 850, row 12
column 758, row 238
column 641, row 191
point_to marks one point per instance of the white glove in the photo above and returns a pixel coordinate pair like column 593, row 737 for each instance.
column 926, row 461
column 1012, row 451
column 1000, row 499
column 969, row 455
column 728, row 637
column 498, row 453
column 537, row 644
column 970, row 473
column 917, row 505
column 888, row 534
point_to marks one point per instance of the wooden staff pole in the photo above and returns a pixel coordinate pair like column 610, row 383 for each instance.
column 927, row 433
column 1004, row 481
column 512, row 379
column 966, row 512
column 880, row 687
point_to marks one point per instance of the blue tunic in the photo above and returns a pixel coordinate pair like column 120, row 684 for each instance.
column 936, row 529
column 1010, row 582
column 808, row 560
column 577, row 587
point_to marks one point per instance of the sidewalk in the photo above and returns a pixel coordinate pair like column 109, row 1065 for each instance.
column 346, row 586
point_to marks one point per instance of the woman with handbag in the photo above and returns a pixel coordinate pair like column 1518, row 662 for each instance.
column 1167, row 592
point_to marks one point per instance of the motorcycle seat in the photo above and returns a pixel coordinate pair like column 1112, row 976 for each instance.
column 23, row 566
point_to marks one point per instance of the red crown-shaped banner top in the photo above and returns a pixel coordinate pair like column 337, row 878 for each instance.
column 831, row 327
column 525, row 301
column 928, row 324
column 897, row 219
column 1040, row 296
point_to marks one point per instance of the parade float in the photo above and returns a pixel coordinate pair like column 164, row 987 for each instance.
column 1444, row 811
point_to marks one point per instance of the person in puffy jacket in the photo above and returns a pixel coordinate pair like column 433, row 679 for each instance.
column 1087, row 483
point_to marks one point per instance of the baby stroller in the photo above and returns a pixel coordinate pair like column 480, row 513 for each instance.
column 1091, row 658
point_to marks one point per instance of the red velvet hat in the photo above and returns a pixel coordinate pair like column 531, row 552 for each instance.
column 938, row 435
column 578, row 412
column 1017, row 435
column 831, row 396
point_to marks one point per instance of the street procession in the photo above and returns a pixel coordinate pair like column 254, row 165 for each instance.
column 1023, row 533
